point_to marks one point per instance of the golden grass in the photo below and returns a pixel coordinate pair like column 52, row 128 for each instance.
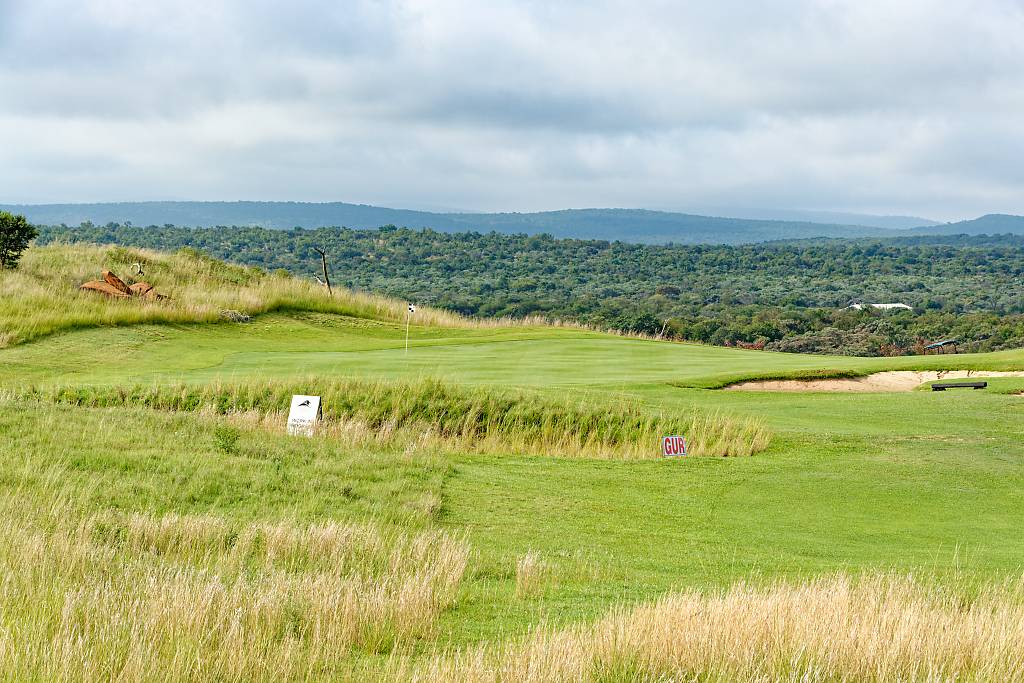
column 42, row 297
column 875, row 628
column 135, row 597
column 533, row 575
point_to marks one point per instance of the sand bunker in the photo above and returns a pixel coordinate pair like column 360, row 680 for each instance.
column 895, row 380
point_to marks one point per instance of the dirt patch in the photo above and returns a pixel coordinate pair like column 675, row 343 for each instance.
column 894, row 380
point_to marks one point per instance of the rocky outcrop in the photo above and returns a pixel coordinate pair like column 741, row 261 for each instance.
column 104, row 287
column 115, row 287
column 116, row 282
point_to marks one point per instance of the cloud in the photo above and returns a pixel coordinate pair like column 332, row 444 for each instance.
column 870, row 106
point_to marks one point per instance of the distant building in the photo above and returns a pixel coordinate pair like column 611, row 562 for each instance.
column 881, row 307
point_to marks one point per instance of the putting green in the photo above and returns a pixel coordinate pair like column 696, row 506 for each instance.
column 277, row 346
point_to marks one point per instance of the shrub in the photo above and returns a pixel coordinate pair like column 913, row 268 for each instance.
column 15, row 234
column 226, row 439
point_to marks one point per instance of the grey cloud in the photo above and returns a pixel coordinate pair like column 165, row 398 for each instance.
column 827, row 104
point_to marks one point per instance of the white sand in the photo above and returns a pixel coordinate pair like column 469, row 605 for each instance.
column 895, row 380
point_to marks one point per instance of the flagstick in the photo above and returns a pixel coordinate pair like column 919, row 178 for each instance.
column 408, row 317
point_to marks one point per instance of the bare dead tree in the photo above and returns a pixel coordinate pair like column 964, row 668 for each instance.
column 323, row 262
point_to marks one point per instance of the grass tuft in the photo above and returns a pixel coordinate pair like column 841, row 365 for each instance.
column 533, row 575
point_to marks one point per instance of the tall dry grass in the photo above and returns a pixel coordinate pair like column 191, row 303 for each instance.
column 135, row 597
column 42, row 297
column 533, row 574
column 431, row 413
column 875, row 628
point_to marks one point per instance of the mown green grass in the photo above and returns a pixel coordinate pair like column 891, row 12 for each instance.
column 283, row 346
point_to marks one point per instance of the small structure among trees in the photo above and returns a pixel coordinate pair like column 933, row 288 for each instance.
column 941, row 346
column 15, row 234
column 881, row 307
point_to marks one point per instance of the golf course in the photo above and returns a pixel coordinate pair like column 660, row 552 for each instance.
column 485, row 500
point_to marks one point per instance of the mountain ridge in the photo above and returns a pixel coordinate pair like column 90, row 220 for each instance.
column 630, row 225
column 627, row 225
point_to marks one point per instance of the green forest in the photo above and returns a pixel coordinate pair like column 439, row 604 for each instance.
column 786, row 296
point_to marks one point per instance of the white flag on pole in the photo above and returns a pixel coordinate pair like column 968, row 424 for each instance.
column 412, row 309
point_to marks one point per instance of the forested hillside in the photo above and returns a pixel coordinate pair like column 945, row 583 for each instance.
column 783, row 296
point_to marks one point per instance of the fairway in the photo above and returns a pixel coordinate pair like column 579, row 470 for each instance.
column 850, row 480
column 919, row 482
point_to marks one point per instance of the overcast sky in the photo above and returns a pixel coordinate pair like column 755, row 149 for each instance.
column 896, row 106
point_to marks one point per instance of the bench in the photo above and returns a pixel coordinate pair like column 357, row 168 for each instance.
column 942, row 386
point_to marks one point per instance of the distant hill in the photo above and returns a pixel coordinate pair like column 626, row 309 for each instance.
column 989, row 224
column 830, row 217
column 628, row 225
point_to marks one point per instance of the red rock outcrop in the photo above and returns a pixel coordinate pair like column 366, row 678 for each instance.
column 113, row 286
column 116, row 282
column 104, row 287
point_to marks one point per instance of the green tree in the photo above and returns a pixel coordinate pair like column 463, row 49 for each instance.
column 15, row 234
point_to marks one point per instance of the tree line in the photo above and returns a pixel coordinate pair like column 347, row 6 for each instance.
column 789, row 296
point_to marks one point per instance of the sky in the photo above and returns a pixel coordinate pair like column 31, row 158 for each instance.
column 892, row 107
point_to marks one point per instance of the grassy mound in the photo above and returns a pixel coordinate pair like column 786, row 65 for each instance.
column 430, row 412
column 42, row 296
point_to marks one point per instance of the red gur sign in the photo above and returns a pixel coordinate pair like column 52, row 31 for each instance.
column 673, row 445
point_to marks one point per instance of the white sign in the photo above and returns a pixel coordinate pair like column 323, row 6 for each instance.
column 304, row 414
column 672, row 446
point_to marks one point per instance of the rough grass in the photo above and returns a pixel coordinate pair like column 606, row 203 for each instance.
column 533, row 574
column 138, row 597
column 41, row 297
column 874, row 628
column 431, row 413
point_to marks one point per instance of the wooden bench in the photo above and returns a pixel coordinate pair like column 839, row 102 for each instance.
column 942, row 386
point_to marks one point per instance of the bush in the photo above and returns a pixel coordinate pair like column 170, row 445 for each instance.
column 15, row 234
column 226, row 439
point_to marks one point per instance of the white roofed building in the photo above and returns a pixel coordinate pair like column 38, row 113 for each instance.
column 881, row 307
